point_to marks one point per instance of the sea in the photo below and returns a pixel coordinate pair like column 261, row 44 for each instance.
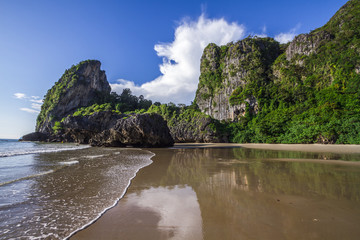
column 53, row 190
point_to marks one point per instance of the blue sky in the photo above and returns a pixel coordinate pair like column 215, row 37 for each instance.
column 134, row 40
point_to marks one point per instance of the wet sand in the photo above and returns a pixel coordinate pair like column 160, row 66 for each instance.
column 339, row 148
column 211, row 191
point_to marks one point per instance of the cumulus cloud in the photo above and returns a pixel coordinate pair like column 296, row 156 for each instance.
column 288, row 36
column 35, row 101
column 180, row 69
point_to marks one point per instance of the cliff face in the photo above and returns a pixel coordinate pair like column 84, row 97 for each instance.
column 236, row 77
column 306, row 91
column 197, row 130
column 228, row 69
column 188, row 124
column 80, row 86
column 306, row 44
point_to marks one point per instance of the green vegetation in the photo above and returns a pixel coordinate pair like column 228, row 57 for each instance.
column 189, row 117
column 124, row 103
column 173, row 114
column 211, row 78
column 86, row 111
column 257, row 64
column 308, row 99
column 57, row 127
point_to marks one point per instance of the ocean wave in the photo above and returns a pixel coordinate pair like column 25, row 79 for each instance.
column 45, row 202
column 69, row 162
column 95, row 156
column 27, row 177
column 40, row 150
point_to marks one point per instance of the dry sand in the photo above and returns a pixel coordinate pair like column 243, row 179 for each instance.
column 280, row 147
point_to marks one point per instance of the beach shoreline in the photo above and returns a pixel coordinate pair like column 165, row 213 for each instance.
column 115, row 202
column 61, row 188
column 135, row 218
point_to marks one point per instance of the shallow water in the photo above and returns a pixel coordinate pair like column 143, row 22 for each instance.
column 238, row 193
column 51, row 195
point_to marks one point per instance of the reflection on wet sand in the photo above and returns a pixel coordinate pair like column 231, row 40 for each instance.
column 237, row 193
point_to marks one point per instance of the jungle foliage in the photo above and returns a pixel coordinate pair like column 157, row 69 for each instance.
column 123, row 103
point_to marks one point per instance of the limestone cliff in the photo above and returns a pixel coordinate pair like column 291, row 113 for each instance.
column 235, row 77
column 306, row 44
column 306, row 91
column 188, row 124
column 230, row 68
column 80, row 86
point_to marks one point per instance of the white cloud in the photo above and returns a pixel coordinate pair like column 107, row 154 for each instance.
column 20, row 95
column 39, row 101
column 29, row 110
column 181, row 60
column 263, row 32
column 287, row 37
column 35, row 101
column 36, row 106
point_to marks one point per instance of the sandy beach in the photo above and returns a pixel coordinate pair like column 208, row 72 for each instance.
column 239, row 191
column 339, row 148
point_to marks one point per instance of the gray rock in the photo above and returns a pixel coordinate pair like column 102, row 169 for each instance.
column 113, row 130
column 198, row 130
column 35, row 136
column 306, row 44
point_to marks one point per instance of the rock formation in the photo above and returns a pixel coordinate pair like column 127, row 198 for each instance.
column 228, row 69
column 114, row 130
column 233, row 77
column 198, row 130
column 188, row 124
column 306, row 44
column 305, row 91
column 35, row 136
column 80, row 86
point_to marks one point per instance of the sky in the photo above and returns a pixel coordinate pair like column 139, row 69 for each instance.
column 152, row 47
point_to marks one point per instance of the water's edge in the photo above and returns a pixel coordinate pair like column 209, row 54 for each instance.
column 116, row 201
